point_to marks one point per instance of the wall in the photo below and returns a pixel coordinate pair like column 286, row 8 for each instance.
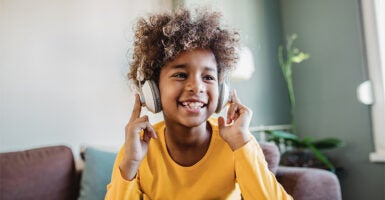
column 325, row 88
column 63, row 66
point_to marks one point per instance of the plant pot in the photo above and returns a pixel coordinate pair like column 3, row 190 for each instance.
column 301, row 157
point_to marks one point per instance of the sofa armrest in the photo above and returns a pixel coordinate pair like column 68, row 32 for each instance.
column 41, row 173
column 309, row 183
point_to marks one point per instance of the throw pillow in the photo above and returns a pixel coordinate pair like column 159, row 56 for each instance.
column 96, row 173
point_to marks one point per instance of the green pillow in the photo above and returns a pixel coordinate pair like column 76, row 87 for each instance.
column 96, row 173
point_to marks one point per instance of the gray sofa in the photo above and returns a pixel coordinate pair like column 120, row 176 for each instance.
column 50, row 173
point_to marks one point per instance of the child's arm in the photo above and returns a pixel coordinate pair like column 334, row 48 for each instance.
column 252, row 174
column 124, row 181
column 236, row 129
column 136, row 144
column 119, row 187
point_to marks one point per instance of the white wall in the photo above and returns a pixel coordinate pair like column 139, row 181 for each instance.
column 63, row 66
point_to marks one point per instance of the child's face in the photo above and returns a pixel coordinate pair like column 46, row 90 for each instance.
column 188, row 88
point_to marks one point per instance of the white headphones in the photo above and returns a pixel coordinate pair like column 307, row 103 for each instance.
column 150, row 97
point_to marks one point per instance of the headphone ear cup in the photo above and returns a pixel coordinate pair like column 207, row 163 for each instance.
column 224, row 95
column 150, row 96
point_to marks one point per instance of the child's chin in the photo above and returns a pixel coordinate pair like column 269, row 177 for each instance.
column 193, row 122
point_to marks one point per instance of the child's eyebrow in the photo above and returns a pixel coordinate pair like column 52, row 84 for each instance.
column 183, row 66
column 179, row 66
column 211, row 69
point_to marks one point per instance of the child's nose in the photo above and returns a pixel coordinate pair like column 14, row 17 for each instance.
column 195, row 85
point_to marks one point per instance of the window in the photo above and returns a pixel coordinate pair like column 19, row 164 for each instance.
column 374, row 30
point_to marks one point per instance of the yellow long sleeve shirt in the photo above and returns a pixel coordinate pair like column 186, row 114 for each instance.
column 213, row 177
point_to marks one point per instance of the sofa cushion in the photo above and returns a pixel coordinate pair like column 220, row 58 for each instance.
column 42, row 173
column 272, row 155
column 96, row 173
column 305, row 183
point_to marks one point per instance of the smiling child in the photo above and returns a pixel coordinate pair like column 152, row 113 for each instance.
column 190, row 155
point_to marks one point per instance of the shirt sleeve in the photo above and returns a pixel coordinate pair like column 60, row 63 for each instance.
column 255, row 179
column 120, row 188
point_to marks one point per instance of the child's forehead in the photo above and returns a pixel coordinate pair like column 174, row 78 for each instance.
column 194, row 58
column 205, row 54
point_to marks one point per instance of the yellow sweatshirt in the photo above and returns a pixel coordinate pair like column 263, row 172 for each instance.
column 215, row 176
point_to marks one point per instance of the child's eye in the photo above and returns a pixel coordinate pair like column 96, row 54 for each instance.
column 180, row 75
column 209, row 78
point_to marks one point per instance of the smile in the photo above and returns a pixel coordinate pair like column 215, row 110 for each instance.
column 193, row 105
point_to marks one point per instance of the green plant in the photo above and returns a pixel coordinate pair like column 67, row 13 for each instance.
column 315, row 146
column 288, row 56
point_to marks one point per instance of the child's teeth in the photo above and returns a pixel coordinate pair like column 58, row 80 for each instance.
column 192, row 104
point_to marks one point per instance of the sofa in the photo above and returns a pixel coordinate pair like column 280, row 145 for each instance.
column 53, row 173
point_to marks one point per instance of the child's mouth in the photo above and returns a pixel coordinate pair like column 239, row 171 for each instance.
column 193, row 105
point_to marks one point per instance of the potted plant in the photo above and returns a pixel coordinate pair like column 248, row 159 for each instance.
column 305, row 152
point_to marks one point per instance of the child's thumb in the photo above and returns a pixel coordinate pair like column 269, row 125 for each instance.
column 221, row 123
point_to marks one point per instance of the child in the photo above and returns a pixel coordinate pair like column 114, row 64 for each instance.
column 190, row 155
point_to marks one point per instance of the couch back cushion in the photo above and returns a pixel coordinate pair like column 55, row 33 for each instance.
column 42, row 173
column 96, row 172
column 272, row 155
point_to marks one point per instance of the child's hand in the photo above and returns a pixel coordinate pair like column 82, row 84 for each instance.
column 136, row 146
column 236, row 129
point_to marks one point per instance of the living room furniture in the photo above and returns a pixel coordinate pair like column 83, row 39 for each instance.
column 50, row 173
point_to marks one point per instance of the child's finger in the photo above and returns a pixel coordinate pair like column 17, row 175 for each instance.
column 234, row 97
column 231, row 112
column 136, row 110
column 221, row 123
column 150, row 130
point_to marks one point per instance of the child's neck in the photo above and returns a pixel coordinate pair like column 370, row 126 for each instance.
column 187, row 146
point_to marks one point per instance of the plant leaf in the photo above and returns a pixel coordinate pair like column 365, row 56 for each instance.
column 283, row 134
column 328, row 143
column 300, row 57
column 318, row 154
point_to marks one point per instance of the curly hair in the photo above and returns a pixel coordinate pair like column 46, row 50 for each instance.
column 160, row 38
